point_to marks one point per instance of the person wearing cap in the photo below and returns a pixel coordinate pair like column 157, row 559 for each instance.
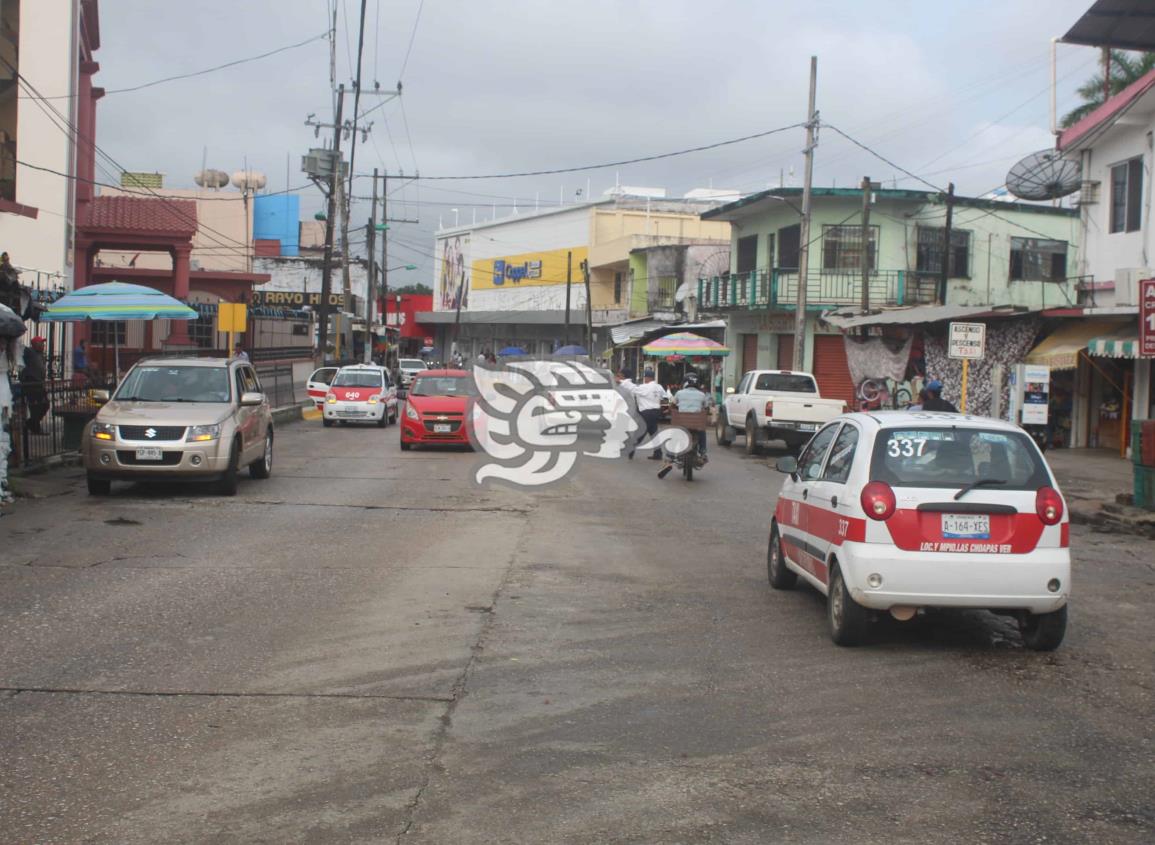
column 934, row 400
column 33, row 384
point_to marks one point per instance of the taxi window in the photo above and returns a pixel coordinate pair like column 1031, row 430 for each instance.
column 810, row 464
column 953, row 457
column 358, row 378
column 842, row 455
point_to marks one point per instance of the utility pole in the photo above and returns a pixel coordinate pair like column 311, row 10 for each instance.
column 384, row 257
column 589, row 309
column 371, row 275
column 804, row 233
column 866, row 256
column 945, row 272
column 327, row 265
column 568, row 284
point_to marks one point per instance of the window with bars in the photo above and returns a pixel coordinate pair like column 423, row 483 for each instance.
column 617, row 288
column 1126, row 196
column 203, row 332
column 929, row 255
column 843, row 248
column 107, row 334
column 1038, row 260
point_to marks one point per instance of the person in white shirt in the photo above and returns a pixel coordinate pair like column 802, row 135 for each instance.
column 649, row 395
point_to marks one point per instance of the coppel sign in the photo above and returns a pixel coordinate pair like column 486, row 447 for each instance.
column 515, row 273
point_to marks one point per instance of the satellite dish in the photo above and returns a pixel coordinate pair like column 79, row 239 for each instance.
column 1044, row 175
column 214, row 179
column 249, row 180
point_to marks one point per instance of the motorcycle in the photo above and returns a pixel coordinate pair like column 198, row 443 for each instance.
column 691, row 459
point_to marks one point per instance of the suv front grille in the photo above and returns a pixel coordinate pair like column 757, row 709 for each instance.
column 160, row 432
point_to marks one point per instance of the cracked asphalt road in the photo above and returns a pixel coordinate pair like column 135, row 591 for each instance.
column 365, row 648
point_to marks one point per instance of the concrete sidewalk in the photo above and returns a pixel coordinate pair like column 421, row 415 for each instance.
column 1097, row 485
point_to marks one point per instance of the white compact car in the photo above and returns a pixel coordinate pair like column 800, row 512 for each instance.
column 896, row 511
column 362, row 393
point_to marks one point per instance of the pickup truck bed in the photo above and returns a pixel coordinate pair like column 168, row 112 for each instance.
column 775, row 405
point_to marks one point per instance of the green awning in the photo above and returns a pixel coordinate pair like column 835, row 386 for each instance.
column 1121, row 343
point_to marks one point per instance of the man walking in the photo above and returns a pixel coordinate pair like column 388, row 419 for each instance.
column 649, row 395
column 33, row 384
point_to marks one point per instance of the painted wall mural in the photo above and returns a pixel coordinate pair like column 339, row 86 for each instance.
column 453, row 280
column 1008, row 342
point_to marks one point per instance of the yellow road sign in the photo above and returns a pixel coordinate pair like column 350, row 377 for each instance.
column 232, row 317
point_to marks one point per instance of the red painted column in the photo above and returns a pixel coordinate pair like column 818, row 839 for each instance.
column 178, row 333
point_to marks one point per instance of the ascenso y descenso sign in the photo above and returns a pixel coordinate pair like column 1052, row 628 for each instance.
column 967, row 341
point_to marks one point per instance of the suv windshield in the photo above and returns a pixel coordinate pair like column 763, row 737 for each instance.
column 175, row 384
column 357, row 378
column 955, row 457
column 786, row 383
column 411, row 364
column 442, row 386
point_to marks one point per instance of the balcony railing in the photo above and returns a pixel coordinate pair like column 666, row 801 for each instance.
column 779, row 289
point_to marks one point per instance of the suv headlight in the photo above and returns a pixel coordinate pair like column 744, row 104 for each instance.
column 201, row 433
column 103, row 431
column 411, row 412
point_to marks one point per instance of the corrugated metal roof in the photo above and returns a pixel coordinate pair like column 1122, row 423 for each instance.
column 915, row 315
column 537, row 318
column 1108, row 113
column 1122, row 24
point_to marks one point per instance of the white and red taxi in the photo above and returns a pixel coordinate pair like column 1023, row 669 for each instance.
column 895, row 511
column 362, row 393
column 317, row 385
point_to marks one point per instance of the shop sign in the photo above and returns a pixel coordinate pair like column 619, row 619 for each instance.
column 296, row 298
column 1147, row 318
column 1036, row 393
column 515, row 273
column 967, row 341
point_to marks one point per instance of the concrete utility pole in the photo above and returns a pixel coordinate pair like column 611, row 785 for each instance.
column 945, row 272
column 866, row 262
column 384, row 258
column 371, row 277
column 804, row 234
column 568, row 285
column 327, row 265
column 589, row 309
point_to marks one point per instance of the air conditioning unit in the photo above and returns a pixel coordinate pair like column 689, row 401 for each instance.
column 1088, row 193
column 1127, row 284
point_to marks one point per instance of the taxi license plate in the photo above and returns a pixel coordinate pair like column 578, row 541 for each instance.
column 148, row 454
column 958, row 526
column 443, row 428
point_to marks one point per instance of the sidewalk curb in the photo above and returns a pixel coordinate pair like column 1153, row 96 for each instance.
column 290, row 413
column 1103, row 517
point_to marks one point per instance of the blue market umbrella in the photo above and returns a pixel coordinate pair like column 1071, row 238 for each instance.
column 572, row 349
column 511, row 350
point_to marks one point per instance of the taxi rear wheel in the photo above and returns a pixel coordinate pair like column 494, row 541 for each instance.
column 328, row 423
column 1044, row 631
column 848, row 619
column 779, row 576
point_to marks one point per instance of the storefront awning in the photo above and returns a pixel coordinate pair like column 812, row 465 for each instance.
column 1121, row 343
column 1060, row 351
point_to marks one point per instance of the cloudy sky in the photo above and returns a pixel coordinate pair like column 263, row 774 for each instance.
column 949, row 91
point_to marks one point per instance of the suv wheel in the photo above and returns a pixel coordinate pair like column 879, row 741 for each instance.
column 780, row 577
column 99, row 486
column 1044, row 631
column 263, row 466
column 227, row 486
column 848, row 619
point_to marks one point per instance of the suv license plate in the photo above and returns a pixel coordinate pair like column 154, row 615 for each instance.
column 148, row 454
column 444, row 428
column 957, row 526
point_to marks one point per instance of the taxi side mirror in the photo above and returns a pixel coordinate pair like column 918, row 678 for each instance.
column 729, row 390
column 787, row 464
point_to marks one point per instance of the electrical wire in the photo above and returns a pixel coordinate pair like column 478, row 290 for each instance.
column 412, row 36
column 881, row 157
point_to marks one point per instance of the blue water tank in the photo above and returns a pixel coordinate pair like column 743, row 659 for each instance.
column 278, row 218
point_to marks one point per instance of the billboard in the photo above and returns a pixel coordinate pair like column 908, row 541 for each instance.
column 530, row 269
column 452, row 273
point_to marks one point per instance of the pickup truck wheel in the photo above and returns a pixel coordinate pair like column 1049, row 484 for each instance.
column 848, row 619
column 723, row 431
column 1044, row 631
column 753, row 435
column 780, row 577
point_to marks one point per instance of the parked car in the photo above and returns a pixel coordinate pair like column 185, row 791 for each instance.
column 410, row 367
column 774, row 405
column 181, row 419
column 361, row 393
column 318, row 384
column 897, row 511
column 437, row 410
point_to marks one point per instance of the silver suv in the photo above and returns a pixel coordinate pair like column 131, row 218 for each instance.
column 181, row 419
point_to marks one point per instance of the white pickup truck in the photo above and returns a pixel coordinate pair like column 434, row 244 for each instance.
column 774, row 405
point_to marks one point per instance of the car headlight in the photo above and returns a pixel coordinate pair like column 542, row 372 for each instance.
column 373, row 400
column 103, row 431
column 331, row 399
column 411, row 412
column 201, row 433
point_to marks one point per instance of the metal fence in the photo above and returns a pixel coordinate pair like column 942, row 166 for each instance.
column 779, row 289
column 64, row 411
column 278, row 384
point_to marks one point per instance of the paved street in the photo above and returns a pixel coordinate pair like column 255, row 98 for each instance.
column 365, row 648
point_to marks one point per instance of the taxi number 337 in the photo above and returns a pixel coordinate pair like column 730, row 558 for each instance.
column 906, row 447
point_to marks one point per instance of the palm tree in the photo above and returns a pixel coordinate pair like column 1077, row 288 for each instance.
column 1125, row 69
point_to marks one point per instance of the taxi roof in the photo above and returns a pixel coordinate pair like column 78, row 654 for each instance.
column 934, row 419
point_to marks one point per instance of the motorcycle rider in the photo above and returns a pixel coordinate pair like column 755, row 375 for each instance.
column 690, row 399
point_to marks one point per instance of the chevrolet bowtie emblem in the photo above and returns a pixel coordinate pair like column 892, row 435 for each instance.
column 443, row 418
column 150, row 433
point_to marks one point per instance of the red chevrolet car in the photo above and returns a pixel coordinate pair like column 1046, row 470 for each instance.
column 437, row 409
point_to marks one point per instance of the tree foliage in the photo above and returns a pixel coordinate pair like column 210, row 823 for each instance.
column 1125, row 69
column 418, row 288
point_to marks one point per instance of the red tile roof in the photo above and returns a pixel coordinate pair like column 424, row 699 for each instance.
column 140, row 214
column 1113, row 108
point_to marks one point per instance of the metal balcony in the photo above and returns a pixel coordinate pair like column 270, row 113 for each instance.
column 778, row 289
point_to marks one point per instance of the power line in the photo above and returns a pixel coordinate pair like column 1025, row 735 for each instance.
column 620, row 163
column 190, row 75
column 412, row 36
column 881, row 157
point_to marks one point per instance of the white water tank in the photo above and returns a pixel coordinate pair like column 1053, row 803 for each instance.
column 250, row 180
column 214, row 179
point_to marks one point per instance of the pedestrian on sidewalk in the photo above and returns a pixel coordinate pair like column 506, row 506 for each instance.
column 34, row 384
column 239, row 353
column 649, row 395
column 934, row 400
